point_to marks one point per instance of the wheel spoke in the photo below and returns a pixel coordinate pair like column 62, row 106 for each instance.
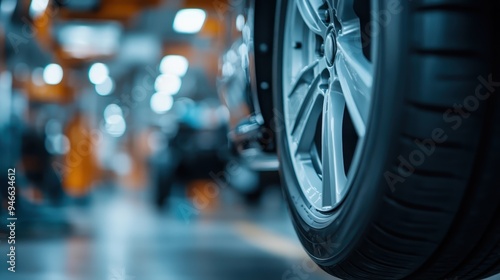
column 334, row 178
column 308, row 114
column 354, row 72
column 305, row 76
column 309, row 10
column 344, row 10
column 325, row 73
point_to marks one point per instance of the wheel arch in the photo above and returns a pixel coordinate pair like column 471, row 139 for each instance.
column 261, row 44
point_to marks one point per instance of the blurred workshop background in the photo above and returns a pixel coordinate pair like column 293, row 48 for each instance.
column 110, row 116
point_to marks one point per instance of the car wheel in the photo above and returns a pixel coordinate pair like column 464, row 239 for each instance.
column 387, row 117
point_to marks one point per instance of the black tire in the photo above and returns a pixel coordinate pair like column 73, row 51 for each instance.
column 442, row 220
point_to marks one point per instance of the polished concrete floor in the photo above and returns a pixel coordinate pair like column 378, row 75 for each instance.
column 117, row 235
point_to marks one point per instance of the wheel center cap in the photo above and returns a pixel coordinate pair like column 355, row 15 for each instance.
column 330, row 49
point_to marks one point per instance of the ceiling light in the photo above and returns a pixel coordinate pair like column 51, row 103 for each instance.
column 175, row 65
column 38, row 7
column 92, row 39
column 189, row 21
column 52, row 74
column 169, row 84
column 161, row 102
column 116, row 126
column 98, row 73
column 112, row 110
column 105, row 88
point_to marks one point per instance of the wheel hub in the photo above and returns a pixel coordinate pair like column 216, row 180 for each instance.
column 330, row 48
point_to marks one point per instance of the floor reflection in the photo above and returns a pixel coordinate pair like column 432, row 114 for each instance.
column 117, row 235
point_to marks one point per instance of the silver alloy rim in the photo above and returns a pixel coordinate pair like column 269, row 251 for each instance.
column 327, row 81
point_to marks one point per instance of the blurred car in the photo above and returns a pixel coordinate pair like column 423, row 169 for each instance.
column 191, row 154
column 245, row 86
column 384, row 120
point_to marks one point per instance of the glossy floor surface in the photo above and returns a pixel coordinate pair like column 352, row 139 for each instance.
column 117, row 235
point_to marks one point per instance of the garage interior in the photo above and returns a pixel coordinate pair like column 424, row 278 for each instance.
column 89, row 136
